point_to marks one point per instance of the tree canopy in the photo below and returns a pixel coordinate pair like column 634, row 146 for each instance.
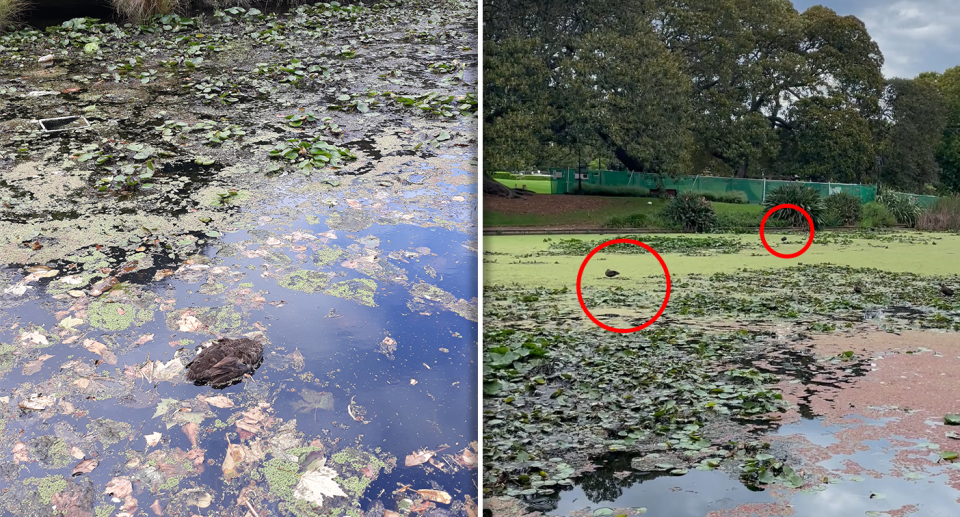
column 734, row 87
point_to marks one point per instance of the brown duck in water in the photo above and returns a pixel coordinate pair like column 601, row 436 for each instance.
column 225, row 361
column 946, row 290
column 611, row 273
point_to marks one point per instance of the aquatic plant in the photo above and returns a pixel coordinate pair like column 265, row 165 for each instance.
column 796, row 194
column 10, row 12
column 139, row 11
column 844, row 208
column 691, row 212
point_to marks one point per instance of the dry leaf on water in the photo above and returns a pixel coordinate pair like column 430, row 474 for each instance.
column 37, row 403
column 219, row 401
column 468, row 458
column 316, row 484
column 153, row 439
column 389, row 513
column 20, row 454
column 418, row 458
column 143, row 339
column 354, row 203
column 36, row 337
column 189, row 323
column 156, row 507
column 85, row 467
column 437, row 496
column 34, row 366
column 235, row 455
column 77, row 453
column 191, row 430
column 470, row 506
column 197, row 497
column 101, row 350
column 119, row 488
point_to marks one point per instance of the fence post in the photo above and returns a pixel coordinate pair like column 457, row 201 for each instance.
column 763, row 198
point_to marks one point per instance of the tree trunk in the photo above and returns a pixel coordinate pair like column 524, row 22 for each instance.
column 495, row 188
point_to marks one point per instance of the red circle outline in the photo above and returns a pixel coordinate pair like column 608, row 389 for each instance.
column 763, row 223
column 666, row 274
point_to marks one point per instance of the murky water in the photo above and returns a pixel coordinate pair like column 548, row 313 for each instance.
column 168, row 224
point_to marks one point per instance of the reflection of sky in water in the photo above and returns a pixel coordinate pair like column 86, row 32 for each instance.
column 439, row 409
column 700, row 492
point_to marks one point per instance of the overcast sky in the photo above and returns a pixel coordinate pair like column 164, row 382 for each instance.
column 914, row 35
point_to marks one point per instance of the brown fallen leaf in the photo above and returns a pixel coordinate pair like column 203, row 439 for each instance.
column 235, row 456
column 418, row 458
column 77, row 453
column 470, row 506
column 189, row 323
column 437, row 496
column 160, row 275
column 82, row 383
column 103, row 286
column 85, row 466
column 390, row 513
column 101, row 350
column 34, row 366
column 156, row 507
column 119, row 488
column 70, row 90
column 143, row 339
column 153, row 439
column 191, row 430
column 20, row 454
column 468, row 458
column 37, row 402
column 219, row 401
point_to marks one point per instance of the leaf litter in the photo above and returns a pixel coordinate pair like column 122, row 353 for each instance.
column 94, row 258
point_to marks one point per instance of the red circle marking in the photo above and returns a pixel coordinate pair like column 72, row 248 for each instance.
column 763, row 223
column 666, row 274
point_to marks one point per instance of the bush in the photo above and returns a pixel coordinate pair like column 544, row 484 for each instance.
column 903, row 207
column 502, row 175
column 736, row 197
column 691, row 212
column 139, row 11
column 876, row 215
column 942, row 216
column 10, row 11
column 843, row 209
column 606, row 190
column 805, row 197
column 637, row 220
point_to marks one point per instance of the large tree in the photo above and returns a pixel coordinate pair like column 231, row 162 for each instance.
column 916, row 115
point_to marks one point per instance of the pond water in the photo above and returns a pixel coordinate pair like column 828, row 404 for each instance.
column 351, row 255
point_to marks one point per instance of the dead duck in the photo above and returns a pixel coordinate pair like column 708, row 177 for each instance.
column 225, row 361
column 946, row 290
column 611, row 273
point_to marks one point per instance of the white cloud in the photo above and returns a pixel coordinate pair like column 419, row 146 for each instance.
column 914, row 35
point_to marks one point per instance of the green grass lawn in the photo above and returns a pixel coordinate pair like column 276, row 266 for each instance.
column 612, row 207
column 538, row 186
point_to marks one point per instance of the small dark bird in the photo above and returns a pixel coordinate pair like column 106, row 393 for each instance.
column 224, row 362
column 946, row 290
column 783, row 239
column 857, row 289
column 934, row 243
column 611, row 273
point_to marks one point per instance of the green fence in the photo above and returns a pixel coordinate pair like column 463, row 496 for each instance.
column 565, row 180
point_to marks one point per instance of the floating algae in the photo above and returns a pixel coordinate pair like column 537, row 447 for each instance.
column 306, row 281
column 360, row 290
column 326, row 256
column 350, row 220
column 117, row 316
column 426, row 295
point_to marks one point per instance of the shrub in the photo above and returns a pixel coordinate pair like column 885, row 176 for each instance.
column 843, row 209
column 606, row 190
column 139, row 11
column 805, row 197
column 637, row 220
column 736, row 197
column 942, row 216
column 876, row 215
column 10, row 11
column 903, row 207
column 691, row 212
column 502, row 175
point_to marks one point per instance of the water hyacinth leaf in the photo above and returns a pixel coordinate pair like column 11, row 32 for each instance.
column 952, row 419
column 948, row 455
